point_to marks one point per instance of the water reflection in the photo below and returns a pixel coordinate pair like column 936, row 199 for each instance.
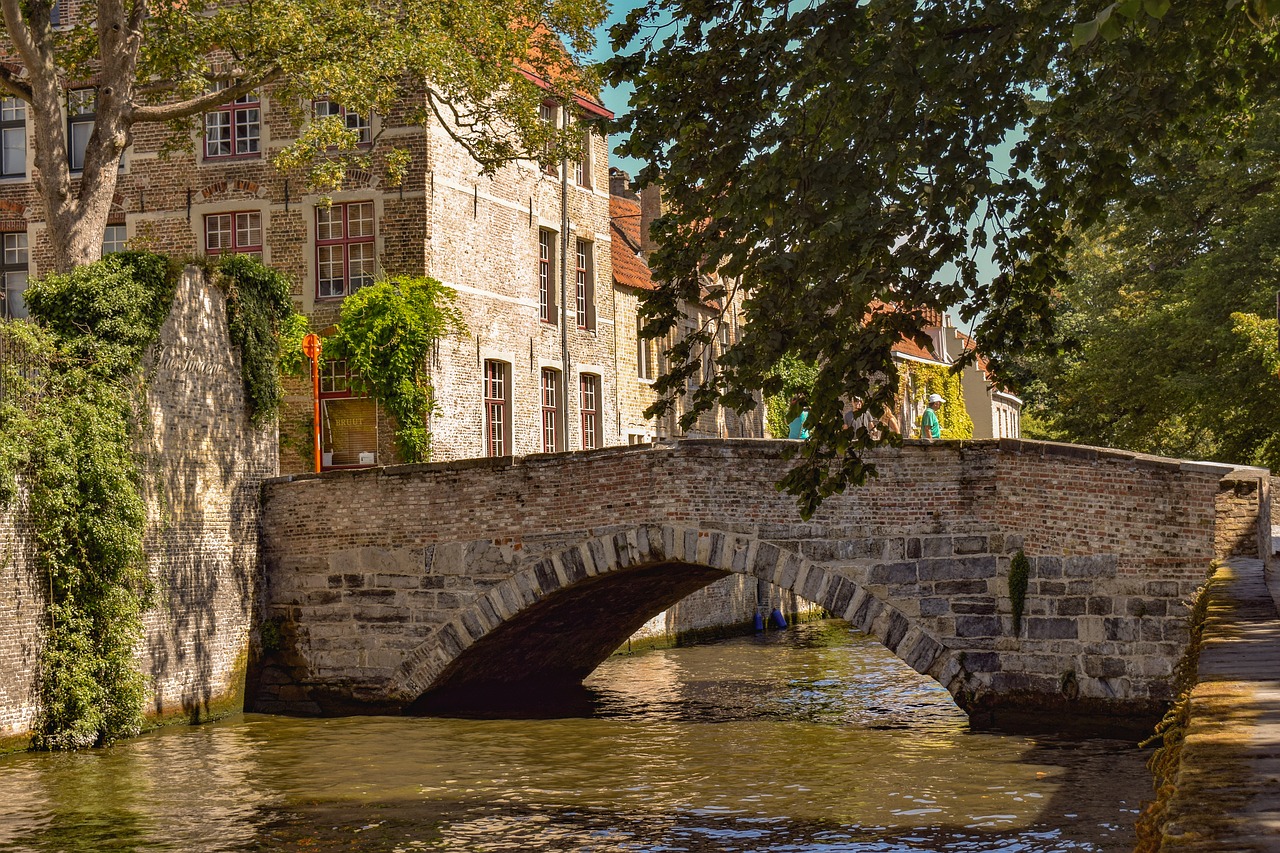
column 809, row 740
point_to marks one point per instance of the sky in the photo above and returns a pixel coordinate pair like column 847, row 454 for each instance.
column 615, row 98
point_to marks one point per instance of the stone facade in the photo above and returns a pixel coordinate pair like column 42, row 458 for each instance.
column 481, row 235
column 205, row 464
column 463, row 575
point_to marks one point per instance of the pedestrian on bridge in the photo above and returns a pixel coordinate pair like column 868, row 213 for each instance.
column 930, row 426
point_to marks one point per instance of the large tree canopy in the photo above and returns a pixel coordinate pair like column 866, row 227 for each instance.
column 154, row 62
column 1163, row 345
column 841, row 157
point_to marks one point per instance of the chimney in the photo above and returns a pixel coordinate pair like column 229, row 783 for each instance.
column 620, row 183
column 650, row 209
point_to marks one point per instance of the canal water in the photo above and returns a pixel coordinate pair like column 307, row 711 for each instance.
column 810, row 739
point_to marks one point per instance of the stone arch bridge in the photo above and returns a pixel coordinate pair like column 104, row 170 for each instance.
column 424, row 588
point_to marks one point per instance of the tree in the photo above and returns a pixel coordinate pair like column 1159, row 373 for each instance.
column 1161, row 346
column 840, row 157
column 159, row 62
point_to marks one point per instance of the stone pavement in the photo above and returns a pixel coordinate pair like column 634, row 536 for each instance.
column 1228, row 786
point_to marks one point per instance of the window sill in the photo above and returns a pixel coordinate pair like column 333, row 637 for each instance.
column 226, row 158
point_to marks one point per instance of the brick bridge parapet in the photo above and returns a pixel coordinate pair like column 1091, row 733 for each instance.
column 423, row 587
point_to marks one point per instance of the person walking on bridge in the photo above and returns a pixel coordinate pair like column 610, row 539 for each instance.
column 930, row 426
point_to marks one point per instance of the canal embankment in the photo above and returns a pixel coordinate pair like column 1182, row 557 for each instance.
column 1225, row 792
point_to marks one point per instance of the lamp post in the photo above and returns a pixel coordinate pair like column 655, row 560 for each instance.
column 311, row 349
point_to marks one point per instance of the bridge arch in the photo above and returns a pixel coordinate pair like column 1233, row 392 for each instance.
column 561, row 614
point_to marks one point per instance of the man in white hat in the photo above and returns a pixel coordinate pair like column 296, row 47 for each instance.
column 930, row 427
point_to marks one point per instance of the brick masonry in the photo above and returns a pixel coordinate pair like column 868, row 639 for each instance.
column 458, row 578
column 205, row 465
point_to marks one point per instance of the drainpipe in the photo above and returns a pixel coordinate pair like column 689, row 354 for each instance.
column 564, row 277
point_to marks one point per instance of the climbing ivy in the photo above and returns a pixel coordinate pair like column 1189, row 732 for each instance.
column 264, row 327
column 797, row 378
column 385, row 334
column 1019, row 577
column 67, row 421
column 921, row 380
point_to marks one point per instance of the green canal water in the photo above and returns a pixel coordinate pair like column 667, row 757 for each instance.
column 811, row 739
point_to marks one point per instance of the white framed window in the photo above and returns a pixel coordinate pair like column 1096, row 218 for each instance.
column 351, row 120
column 549, row 114
column 114, row 238
column 13, row 269
column 82, row 106
column 13, row 137
column 344, row 248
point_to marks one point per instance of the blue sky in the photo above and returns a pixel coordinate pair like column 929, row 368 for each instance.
column 615, row 98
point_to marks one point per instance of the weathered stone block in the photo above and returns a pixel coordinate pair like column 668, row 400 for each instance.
column 1049, row 628
column 977, row 626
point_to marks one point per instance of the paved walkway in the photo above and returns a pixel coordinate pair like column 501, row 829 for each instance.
column 1228, row 788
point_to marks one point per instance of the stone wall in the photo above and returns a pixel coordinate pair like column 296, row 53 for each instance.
column 204, row 465
column 444, row 556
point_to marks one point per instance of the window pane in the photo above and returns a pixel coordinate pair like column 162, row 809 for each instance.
column 247, row 131
column 360, row 219
column 81, row 102
column 13, row 109
column 329, row 223
column 15, row 151
column 80, row 132
column 360, row 265
column 248, row 230
column 15, row 249
column 217, row 134
column 360, row 125
column 15, row 283
column 327, row 109
column 113, row 239
column 329, row 270
column 217, row 232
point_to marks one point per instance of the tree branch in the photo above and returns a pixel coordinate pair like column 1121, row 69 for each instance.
column 205, row 102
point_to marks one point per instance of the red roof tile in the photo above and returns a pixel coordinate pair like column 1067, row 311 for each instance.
column 629, row 268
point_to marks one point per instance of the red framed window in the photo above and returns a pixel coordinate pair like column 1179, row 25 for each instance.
column 546, row 277
column 233, row 233
column 590, row 409
column 235, row 128
column 351, row 120
column 495, row 408
column 585, row 286
column 550, row 411
column 582, row 166
column 344, row 249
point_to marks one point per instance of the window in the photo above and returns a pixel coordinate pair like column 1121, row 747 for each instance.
column 13, row 135
column 344, row 248
column 235, row 128
column 590, row 409
column 497, row 424
column 113, row 239
column 546, row 276
column 348, row 421
column 351, row 120
column 644, row 352
column 548, row 113
column 585, row 287
column 82, row 105
column 550, row 411
column 13, row 267
column 582, row 166
column 233, row 233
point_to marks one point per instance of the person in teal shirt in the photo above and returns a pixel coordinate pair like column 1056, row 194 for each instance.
column 930, row 426
column 796, row 430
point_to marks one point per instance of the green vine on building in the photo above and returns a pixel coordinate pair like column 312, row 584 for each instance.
column 386, row 334
column 921, row 380
column 72, row 413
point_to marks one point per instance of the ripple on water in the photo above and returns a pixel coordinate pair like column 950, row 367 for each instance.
column 813, row 739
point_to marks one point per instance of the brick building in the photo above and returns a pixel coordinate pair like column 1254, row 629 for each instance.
column 527, row 250
column 643, row 360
